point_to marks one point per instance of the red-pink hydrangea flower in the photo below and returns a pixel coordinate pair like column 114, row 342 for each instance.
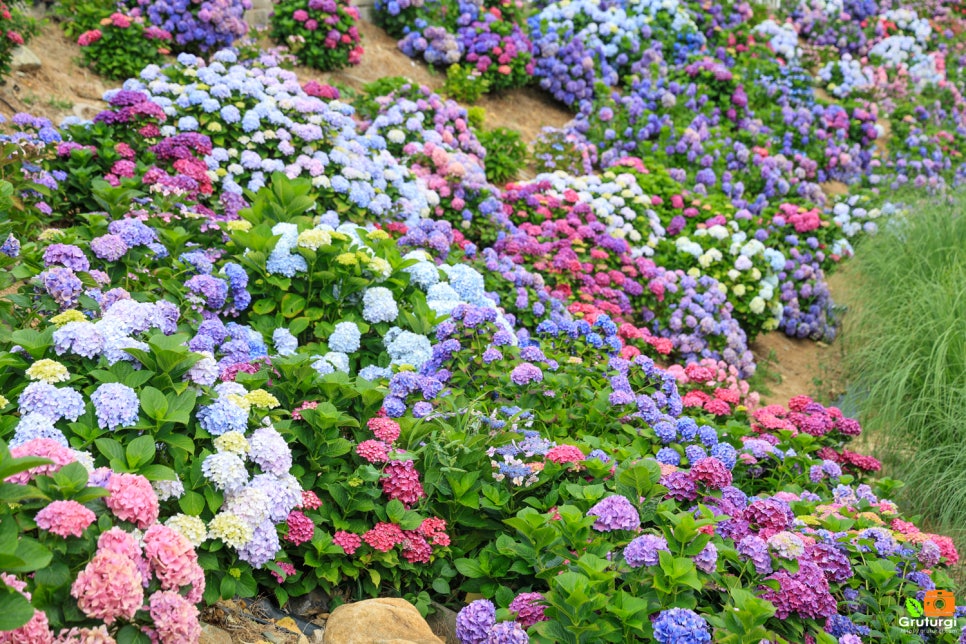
column 286, row 567
column 712, row 472
column 400, row 481
column 528, row 608
column 373, row 451
column 65, row 518
column 347, row 541
column 434, row 529
column 109, row 587
column 415, row 549
column 385, row 429
column 310, row 500
column 300, row 528
column 132, row 499
column 384, row 536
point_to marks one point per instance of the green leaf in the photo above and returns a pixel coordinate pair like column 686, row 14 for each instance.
column 192, row 503
column 110, row 448
column 154, row 403
column 140, row 451
column 157, row 472
column 469, row 568
column 263, row 306
column 131, row 634
column 395, row 510
column 292, row 305
column 227, row 587
column 15, row 610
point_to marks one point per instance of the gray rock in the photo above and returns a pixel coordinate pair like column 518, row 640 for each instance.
column 309, row 605
column 24, row 60
column 443, row 623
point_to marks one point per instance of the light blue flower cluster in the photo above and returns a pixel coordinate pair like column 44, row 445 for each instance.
column 267, row 123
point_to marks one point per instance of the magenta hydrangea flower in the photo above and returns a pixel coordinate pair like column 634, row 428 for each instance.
column 712, row 472
column 528, row 608
column 804, row 593
column 347, row 541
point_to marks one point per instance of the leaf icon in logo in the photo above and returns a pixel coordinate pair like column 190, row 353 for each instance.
column 914, row 607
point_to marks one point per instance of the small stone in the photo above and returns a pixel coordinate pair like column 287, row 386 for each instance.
column 288, row 624
column 272, row 637
column 24, row 60
column 214, row 635
column 381, row 620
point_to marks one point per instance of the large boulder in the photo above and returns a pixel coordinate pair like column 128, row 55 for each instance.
column 378, row 621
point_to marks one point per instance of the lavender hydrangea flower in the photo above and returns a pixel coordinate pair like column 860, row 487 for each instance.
column 707, row 560
column 526, row 373
column 11, row 247
column 270, row 451
column 615, row 513
column 507, row 633
column 116, row 405
column 474, row 622
column 109, row 247
column 262, row 547
column 643, row 550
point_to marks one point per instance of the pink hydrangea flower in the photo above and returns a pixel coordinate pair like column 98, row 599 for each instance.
column 385, row 429
column 45, row 448
column 172, row 557
column 400, row 481
column 125, row 543
column 286, row 567
column 109, row 588
column 36, row 631
column 415, row 548
column 132, row 499
column 310, row 500
column 175, row 618
column 434, row 529
column 565, row 454
column 65, row 518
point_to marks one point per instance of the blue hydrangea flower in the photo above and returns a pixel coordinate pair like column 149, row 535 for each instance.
column 379, row 305
column 345, row 337
column 285, row 343
column 681, row 626
column 222, row 416
column 116, row 405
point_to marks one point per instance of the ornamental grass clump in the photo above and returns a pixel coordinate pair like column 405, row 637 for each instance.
column 907, row 353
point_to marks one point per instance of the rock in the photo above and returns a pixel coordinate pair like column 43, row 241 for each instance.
column 24, row 60
column 378, row 621
column 308, row 605
column 213, row 635
column 443, row 623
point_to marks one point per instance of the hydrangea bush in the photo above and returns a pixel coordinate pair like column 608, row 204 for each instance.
column 321, row 33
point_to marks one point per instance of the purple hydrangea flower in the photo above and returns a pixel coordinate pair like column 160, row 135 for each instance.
column 474, row 622
column 615, row 513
